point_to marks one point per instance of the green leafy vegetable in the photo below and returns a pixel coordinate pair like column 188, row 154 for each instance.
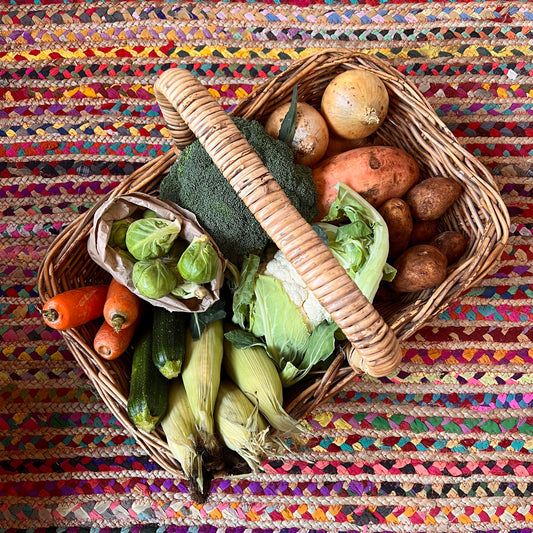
column 263, row 307
column 276, row 308
column 199, row 262
column 199, row 321
column 149, row 238
column 186, row 290
column 362, row 245
column 321, row 344
column 153, row 278
column 124, row 254
column 243, row 339
column 149, row 213
column 288, row 126
column 176, row 250
column 244, row 294
column 117, row 234
column 278, row 320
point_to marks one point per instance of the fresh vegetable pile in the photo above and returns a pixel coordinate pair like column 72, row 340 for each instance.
column 214, row 321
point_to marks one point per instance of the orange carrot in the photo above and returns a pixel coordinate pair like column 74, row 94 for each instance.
column 122, row 307
column 110, row 344
column 75, row 307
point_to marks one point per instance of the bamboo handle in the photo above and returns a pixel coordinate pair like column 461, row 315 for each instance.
column 191, row 112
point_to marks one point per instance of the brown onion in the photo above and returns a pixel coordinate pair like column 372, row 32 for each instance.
column 355, row 104
column 311, row 136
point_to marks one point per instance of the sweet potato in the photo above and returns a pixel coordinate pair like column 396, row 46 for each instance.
column 377, row 173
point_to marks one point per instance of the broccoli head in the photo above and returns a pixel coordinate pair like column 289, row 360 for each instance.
column 196, row 184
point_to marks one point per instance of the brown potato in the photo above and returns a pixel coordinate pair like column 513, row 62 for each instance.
column 451, row 243
column 432, row 197
column 420, row 267
column 385, row 294
column 423, row 231
column 399, row 222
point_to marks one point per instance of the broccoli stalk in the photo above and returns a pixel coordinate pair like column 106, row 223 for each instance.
column 196, row 184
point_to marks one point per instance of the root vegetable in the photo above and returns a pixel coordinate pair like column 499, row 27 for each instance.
column 122, row 307
column 110, row 344
column 377, row 173
column 451, row 243
column 419, row 267
column 337, row 145
column 311, row 135
column 354, row 104
column 397, row 215
column 432, row 197
column 423, row 231
column 75, row 307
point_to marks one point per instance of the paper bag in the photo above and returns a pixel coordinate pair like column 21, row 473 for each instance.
column 121, row 267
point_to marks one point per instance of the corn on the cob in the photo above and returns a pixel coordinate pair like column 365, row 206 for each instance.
column 256, row 375
column 241, row 427
column 180, row 431
column 201, row 378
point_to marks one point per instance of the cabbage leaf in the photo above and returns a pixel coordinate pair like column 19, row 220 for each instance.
column 362, row 245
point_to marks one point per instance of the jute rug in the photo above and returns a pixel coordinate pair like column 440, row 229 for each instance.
column 444, row 445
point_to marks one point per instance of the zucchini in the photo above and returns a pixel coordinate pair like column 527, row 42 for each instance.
column 168, row 341
column 148, row 398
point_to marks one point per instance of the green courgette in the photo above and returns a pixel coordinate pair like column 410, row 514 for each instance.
column 168, row 342
column 148, row 398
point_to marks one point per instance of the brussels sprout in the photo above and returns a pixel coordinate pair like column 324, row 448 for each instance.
column 149, row 213
column 199, row 262
column 117, row 234
column 188, row 289
column 148, row 238
column 153, row 278
column 125, row 254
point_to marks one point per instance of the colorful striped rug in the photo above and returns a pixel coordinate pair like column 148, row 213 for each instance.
column 444, row 445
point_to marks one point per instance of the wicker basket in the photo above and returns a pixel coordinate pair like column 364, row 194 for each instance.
column 373, row 332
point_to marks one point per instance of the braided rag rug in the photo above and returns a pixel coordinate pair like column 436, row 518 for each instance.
column 445, row 444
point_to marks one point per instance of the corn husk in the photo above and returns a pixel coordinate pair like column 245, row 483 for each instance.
column 182, row 437
column 241, row 427
column 256, row 375
column 201, row 379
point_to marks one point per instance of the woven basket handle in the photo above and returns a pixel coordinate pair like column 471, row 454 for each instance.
column 191, row 112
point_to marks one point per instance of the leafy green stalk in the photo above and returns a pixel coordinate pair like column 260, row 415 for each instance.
column 288, row 125
column 362, row 245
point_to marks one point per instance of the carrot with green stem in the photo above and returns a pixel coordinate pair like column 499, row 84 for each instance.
column 122, row 307
column 75, row 307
